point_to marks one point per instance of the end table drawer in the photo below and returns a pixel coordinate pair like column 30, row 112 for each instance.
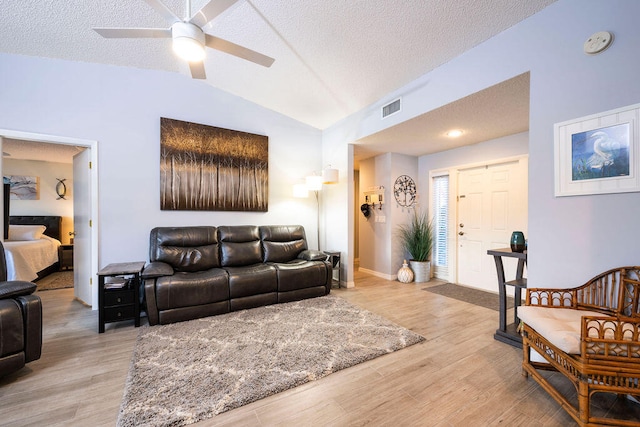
column 114, row 314
column 118, row 298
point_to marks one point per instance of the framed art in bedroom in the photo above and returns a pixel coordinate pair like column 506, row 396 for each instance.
column 598, row 154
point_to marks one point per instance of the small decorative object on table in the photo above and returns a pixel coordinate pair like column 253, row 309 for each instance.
column 405, row 274
column 517, row 241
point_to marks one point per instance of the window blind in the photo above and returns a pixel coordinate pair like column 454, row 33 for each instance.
column 440, row 224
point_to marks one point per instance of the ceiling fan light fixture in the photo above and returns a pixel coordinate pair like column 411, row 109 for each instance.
column 188, row 41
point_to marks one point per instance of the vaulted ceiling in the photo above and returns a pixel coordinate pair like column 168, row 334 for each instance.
column 332, row 57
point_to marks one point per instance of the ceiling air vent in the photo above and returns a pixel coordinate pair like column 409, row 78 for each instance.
column 391, row 108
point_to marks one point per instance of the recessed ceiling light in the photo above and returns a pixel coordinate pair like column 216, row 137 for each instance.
column 454, row 133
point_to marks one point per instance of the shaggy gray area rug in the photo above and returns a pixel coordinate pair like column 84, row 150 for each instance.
column 58, row 280
column 189, row 371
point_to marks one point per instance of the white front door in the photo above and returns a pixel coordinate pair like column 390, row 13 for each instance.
column 492, row 203
column 82, row 246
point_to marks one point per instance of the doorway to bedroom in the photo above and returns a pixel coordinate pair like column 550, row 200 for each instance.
column 58, row 190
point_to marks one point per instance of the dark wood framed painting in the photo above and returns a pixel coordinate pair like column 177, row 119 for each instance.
column 212, row 169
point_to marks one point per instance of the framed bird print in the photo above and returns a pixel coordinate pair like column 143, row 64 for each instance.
column 598, row 154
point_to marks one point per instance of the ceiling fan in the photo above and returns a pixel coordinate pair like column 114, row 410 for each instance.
column 189, row 40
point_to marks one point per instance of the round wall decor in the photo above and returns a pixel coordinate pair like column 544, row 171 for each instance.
column 404, row 190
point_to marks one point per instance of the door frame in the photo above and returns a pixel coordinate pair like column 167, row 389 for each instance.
column 452, row 236
column 91, row 145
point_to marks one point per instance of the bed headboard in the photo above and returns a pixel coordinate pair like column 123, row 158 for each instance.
column 53, row 223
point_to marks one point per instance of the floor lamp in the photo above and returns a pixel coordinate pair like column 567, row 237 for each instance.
column 314, row 183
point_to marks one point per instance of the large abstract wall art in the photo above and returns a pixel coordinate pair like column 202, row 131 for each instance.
column 213, row 169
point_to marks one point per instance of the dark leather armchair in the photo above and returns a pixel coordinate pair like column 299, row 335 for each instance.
column 20, row 322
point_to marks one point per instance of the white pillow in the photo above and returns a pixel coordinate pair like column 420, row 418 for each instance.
column 25, row 232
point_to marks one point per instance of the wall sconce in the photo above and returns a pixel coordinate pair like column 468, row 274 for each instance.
column 61, row 189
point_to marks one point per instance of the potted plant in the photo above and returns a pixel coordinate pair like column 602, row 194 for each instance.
column 416, row 238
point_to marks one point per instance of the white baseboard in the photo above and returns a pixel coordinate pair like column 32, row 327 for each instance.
column 378, row 274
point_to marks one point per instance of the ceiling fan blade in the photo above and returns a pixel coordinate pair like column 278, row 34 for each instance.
column 197, row 70
column 237, row 50
column 210, row 11
column 163, row 10
column 131, row 33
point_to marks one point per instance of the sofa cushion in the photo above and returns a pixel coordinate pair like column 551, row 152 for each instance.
column 282, row 243
column 185, row 248
column 185, row 289
column 301, row 274
column 252, row 280
column 239, row 245
column 560, row 326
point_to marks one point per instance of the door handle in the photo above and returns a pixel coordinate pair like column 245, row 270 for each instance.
column 461, row 233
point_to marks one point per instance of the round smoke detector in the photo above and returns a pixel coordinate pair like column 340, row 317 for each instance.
column 598, row 42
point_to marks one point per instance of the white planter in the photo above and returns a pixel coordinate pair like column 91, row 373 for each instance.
column 421, row 271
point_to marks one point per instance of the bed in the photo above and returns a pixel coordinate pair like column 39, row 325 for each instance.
column 35, row 256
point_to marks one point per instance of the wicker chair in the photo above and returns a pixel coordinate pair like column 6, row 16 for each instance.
column 591, row 335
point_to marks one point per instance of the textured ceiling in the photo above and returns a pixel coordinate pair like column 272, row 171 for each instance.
column 333, row 57
column 32, row 150
column 494, row 112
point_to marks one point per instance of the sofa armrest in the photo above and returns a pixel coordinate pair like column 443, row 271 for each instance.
column 151, row 306
column 607, row 338
column 156, row 269
column 31, row 307
column 312, row 255
column 16, row 288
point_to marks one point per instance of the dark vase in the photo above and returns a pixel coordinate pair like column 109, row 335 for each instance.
column 517, row 241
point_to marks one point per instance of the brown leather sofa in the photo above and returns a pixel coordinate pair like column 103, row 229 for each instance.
column 203, row 271
column 20, row 322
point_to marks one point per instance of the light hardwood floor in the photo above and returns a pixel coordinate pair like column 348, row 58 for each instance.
column 460, row 376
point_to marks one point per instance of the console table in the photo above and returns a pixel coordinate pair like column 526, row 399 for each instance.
column 508, row 333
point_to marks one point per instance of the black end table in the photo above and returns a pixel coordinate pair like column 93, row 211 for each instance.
column 119, row 293
column 65, row 257
column 508, row 333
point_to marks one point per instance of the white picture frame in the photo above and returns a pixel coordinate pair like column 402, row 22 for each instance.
column 598, row 154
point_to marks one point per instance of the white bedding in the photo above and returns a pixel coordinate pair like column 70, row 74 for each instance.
column 26, row 258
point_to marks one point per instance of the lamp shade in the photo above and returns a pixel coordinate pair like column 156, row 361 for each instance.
column 300, row 190
column 330, row 176
column 314, row 182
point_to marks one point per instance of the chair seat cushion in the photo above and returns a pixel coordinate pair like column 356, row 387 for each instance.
column 184, row 289
column 560, row 326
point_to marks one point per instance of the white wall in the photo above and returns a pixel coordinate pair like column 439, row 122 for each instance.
column 121, row 109
column 500, row 148
column 380, row 251
column 48, row 203
column 571, row 238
